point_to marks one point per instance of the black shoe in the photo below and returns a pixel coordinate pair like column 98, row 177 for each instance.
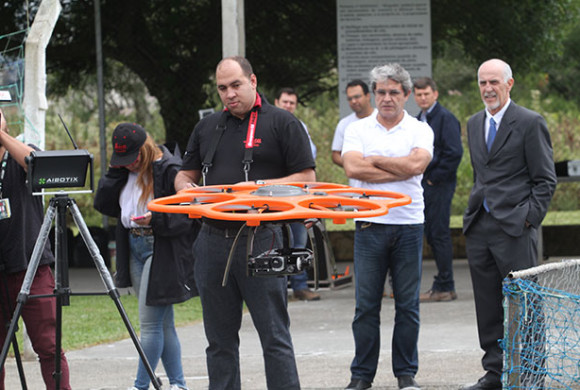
column 306, row 295
column 358, row 384
column 407, row 383
column 485, row 383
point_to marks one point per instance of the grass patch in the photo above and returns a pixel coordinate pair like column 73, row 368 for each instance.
column 553, row 218
column 92, row 320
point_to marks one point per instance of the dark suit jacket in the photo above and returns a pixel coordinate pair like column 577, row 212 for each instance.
column 517, row 176
column 447, row 148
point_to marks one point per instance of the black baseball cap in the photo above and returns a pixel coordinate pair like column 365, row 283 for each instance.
column 127, row 140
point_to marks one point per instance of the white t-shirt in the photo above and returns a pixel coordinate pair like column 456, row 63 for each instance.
column 371, row 138
column 339, row 132
column 129, row 202
column 341, row 127
column 338, row 139
column 312, row 146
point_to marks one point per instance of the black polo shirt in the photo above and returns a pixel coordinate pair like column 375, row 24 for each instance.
column 281, row 146
column 18, row 234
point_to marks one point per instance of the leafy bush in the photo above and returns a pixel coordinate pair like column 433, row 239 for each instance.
column 460, row 96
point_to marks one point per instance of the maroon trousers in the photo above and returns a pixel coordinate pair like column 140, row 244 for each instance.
column 39, row 315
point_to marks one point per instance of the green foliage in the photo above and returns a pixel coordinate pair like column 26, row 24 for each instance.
column 92, row 320
column 564, row 76
column 526, row 33
column 321, row 116
column 79, row 110
column 174, row 45
column 171, row 48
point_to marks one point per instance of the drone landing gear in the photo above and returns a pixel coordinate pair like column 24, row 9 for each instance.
column 325, row 274
column 278, row 262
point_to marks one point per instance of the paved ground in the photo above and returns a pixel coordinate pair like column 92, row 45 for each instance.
column 448, row 346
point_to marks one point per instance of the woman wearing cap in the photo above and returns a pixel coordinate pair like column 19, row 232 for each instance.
column 153, row 249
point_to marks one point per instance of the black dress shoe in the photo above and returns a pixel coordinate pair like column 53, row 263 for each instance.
column 358, row 384
column 484, row 383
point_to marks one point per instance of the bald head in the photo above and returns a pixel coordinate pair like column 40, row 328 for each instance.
column 495, row 83
column 499, row 65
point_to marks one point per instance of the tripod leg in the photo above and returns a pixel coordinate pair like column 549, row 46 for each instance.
column 111, row 289
column 62, row 290
column 19, row 365
column 28, row 278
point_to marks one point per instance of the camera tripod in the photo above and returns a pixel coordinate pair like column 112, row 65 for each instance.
column 58, row 206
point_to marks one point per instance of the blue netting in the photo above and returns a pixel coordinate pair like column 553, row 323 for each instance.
column 542, row 330
column 12, row 78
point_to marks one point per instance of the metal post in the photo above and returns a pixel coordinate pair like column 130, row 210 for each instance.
column 233, row 28
column 100, row 96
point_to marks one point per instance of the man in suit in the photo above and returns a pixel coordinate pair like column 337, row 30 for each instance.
column 514, row 180
column 438, row 183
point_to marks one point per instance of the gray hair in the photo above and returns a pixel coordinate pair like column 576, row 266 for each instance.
column 507, row 70
column 391, row 71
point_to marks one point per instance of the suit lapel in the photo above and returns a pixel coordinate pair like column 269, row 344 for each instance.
column 478, row 134
column 505, row 129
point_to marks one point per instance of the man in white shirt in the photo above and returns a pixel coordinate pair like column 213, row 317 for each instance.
column 388, row 151
column 359, row 100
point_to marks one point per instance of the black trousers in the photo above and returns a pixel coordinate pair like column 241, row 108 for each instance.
column 492, row 254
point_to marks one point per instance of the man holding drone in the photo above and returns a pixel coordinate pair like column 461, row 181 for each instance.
column 249, row 141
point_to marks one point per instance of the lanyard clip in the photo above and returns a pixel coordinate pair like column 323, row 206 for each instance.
column 247, row 168
column 204, row 172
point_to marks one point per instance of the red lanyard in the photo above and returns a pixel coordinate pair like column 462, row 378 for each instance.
column 220, row 128
column 251, row 130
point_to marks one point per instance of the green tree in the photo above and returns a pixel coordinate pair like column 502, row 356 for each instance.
column 564, row 76
column 525, row 33
column 174, row 45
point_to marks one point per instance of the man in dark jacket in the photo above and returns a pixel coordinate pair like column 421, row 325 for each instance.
column 439, row 182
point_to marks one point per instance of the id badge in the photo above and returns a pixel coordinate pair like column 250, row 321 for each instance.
column 5, row 208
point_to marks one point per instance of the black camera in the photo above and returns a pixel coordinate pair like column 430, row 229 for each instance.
column 280, row 262
column 59, row 169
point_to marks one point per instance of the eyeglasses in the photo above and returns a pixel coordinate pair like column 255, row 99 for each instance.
column 394, row 93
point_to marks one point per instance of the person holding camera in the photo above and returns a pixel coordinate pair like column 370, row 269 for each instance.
column 21, row 218
column 257, row 141
column 153, row 249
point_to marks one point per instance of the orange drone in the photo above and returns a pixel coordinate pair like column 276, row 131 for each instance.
column 279, row 202
column 289, row 202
